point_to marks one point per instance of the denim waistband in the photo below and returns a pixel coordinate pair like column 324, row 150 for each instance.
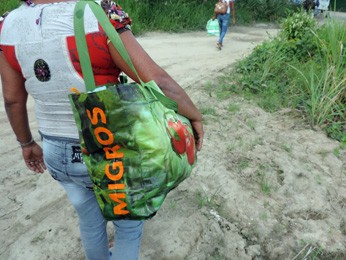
column 58, row 138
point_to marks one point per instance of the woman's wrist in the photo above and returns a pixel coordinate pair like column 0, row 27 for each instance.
column 25, row 144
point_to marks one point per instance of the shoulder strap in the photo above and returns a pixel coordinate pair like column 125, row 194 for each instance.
column 117, row 42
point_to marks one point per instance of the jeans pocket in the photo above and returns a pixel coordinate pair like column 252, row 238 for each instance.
column 54, row 159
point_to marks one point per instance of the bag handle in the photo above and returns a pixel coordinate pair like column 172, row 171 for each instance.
column 116, row 41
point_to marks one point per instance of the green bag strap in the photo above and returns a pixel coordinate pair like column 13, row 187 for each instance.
column 116, row 41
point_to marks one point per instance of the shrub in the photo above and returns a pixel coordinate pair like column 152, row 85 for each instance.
column 262, row 10
column 297, row 25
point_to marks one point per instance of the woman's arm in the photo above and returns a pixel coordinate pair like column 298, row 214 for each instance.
column 15, row 97
column 233, row 12
column 148, row 70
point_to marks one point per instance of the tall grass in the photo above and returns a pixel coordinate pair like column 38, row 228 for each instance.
column 262, row 10
column 187, row 15
column 324, row 79
column 192, row 15
column 303, row 68
column 169, row 15
column 324, row 89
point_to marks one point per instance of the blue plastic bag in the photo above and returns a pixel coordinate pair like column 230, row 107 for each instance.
column 213, row 27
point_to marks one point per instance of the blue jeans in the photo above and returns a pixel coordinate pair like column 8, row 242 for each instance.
column 63, row 159
column 223, row 24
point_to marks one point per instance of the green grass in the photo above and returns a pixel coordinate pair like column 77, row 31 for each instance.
column 206, row 200
column 191, row 15
column 186, row 15
column 169, row 16
column 265, row 186
column 7, row 5
column 340, row 5
column 233, row 108
column 303, row 68
column 208, row 111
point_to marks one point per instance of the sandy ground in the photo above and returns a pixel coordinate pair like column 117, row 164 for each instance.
column 266, row 186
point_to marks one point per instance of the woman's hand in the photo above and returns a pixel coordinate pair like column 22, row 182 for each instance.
column 15, row 98
column 198, row 133
column 233, row 12
column 33, row 157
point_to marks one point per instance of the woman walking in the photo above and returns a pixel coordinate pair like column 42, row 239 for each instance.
column 223, row 20
column 38, row 57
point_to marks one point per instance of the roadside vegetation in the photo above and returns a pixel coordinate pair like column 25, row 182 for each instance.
column 186, row 15
column 7, row 5
column 303, row 68
column 192, row 15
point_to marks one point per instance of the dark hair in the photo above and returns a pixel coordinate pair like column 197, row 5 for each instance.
column 28, row 2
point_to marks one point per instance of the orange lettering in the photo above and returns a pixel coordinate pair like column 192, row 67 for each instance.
column 94, row 117
column 111, row 153
column 104, row 130
column 116, row 186
column 115, row 166
column 119, row 209
column 115, row 171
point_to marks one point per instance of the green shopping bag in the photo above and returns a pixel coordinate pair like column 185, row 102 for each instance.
column 140, row 148
column 213, row 27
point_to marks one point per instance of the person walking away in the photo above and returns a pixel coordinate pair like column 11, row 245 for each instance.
column 223, row 20
column 38, row 57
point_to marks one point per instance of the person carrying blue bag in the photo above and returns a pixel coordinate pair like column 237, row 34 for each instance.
column 223, row 19
column 213, row 27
